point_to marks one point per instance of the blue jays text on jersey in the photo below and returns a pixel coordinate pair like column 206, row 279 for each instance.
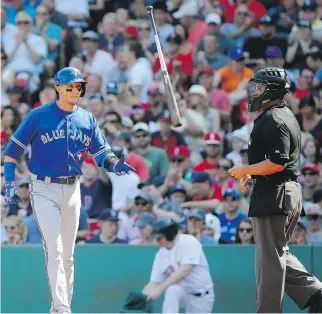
column 59, row 140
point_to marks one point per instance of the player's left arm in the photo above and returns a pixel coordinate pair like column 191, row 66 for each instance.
column 104, row 157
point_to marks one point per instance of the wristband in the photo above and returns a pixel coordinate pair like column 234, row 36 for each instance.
column 9, row 171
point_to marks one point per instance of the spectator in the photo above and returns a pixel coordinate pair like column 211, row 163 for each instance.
column 177, row 63
column 188, row 16
column 234, row 77
column 244, row 233
column 241, row 29
column 239, row 140
column 304, row 84
column 156, row 100
column 167, row 138
column 196, row 226
column 255, row 47
column 301, row 43
column 10, row 120
column 96, row 194
column 52, row 34
column 17, row 6
column 299, row 235
column 308, row 118
column 144, row 30
column 124, row 188
column 140, row 74
column 47, row 94
column 96, row 107
column 123, row 139
column 314, row 223
column 110, row 40
column 212, row 146
column 156, row 158
column 210, row 56
column 144, row 223
column 310, row 152
column 310, row 173
column 218, row 98
column 141, row 113
column 8, row 31
column 108, row 220
column 213, row 229
column 16, row 230
column 97, row 61
column 78, row 61
column 231, row 217
column 205, row 196
column 4, row 214
column 94, row 84
column 177, row 193
column 160, row 11
column 22, row 208
column 15, row 94
column 21, row 50
column 7, row 78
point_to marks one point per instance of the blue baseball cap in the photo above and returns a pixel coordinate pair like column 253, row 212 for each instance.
column 266, row 20
column 236, row 53
column 158, row 181
column 108, row 215
column 232, row 194
column 145, row 196
column 177, row 188
column 273, row 52
column 201, row 177
column 309, row 5
column 145, row 219
column 197, row 213
column 113, row 88
column 304, row 23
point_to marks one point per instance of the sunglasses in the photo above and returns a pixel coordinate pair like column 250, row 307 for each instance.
column 178, row 159
column 309, row 173
column 10, row 227
column 242, row 13
column 112, row 121
column 248, row 230
column 222, row 167
column 313, row 217
column 23, row 23
column 142, row 203
column 146, row 29
column 90, row 39
column 141, row 135
column 24, row 186
column 42, row 13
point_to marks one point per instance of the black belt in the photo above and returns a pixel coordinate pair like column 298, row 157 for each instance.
column 200, row 294
column 67, row 180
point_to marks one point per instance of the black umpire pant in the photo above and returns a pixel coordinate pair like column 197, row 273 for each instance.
column 276, row 268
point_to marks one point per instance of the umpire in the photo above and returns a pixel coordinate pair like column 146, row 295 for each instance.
column 276, row 204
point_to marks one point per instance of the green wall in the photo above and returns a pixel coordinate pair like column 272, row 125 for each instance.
column 105, row 274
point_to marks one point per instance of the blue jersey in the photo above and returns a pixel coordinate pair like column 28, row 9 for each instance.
column 59, row 140
column 229, row 226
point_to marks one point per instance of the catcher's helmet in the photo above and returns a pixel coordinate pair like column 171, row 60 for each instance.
column 266, row 85
column 68, row 76
column 165, row 228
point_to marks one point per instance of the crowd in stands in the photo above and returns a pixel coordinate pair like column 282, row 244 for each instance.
column 212, row 48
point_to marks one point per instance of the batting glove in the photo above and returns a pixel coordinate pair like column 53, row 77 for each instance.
column 120, row 167
column 11, row 193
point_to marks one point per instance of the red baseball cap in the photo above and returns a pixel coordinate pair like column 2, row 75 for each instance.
column 212, row 138
column 312, row 167
column 207, row 70
column 181, row 150
column 90, row 161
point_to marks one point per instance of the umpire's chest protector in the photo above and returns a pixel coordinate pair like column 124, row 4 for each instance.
column 59, row 140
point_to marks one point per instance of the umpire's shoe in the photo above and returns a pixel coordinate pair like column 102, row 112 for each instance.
column 316, row 303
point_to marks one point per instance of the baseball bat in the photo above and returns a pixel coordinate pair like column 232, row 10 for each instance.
column 172, row 103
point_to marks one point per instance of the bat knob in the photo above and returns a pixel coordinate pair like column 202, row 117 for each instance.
column 149, row 8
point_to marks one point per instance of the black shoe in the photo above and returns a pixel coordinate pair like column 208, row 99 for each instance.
column 316, row 303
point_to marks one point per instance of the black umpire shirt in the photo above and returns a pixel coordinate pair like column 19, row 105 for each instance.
column 276, row 136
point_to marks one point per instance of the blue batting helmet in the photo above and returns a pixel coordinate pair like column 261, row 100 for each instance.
column 68, row 76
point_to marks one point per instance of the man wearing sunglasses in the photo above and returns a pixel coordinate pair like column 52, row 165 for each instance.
column 311, row 176
column 61, row 135
column 274, row 152
column 314, row 223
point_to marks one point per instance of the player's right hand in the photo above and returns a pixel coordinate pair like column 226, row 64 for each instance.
column 244, row 182
column 11, row 193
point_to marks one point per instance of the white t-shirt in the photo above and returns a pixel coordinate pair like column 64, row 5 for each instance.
column 187, row 250
column 101, row 64
column 124, row 189
column 7, row 34
column 141, row 75
column 72, row 7
column 21, row 60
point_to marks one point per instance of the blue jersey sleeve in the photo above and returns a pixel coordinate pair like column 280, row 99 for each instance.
column 99, row 145
column 22, row 137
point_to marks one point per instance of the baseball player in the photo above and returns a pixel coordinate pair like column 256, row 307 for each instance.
column 60, row 134
column 181, row 271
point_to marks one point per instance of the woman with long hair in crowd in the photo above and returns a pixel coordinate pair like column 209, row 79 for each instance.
column 244, row 233
column 10, row 120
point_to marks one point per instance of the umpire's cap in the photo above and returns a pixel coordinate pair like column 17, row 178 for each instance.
column 70, row 75
column 165, row 228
